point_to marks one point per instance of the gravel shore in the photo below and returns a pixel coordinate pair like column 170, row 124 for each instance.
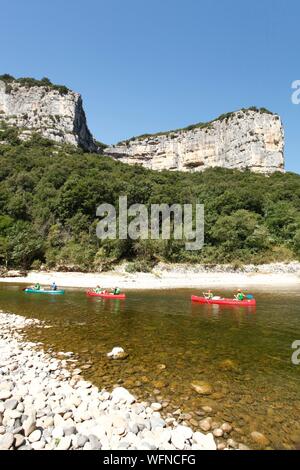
column 45, row 404
column 170, row 276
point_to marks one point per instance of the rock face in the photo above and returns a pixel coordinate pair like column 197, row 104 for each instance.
column 247, row 139
column 50, row 112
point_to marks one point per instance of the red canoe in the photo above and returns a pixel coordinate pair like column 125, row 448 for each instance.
column 240, row 303
column 105, row 296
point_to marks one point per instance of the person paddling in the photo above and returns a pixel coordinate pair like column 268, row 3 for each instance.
column 37, row 286
column 53, row 286
column 97, row 290
column 240, row 295
column 208, row 295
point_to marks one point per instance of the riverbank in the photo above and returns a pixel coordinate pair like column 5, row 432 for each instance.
column 45, row 404
column 166, row 276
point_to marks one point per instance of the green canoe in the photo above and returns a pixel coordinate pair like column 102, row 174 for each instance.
column 29, row 290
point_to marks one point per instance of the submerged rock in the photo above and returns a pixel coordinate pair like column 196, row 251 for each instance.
column 226, row 427
column 201, row 387
column 206, row 424
column 228, row 365
column 259, row 439
column 118, row 353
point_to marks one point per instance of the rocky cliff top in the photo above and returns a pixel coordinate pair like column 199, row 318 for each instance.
column 246, row 139
column 54, row 111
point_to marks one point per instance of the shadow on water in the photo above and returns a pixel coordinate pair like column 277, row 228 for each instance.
column 244, row 354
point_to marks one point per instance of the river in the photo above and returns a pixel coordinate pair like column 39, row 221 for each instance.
column 244, row 354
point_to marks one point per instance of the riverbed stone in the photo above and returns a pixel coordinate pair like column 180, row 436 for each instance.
column 48, row 421
column 19, row 440
column 7, row 441
column 162, row 436
column 221, row 446
column 29, row 425
column 144, row 445
column 81, row 440
column 232, row 444
column 6, row 385
column 205, row 441
column 5, row 394
column 11, row 404
column 25, row 447
column 207, row 409
column 69, row 430
column 228, row 365
column 226, row 428
column 206, row 424
column 133, row 427
column 58, row 432
column 64, row 443
column 202, row 387
column 156, row 406
column 180, row 435
column 157, row 422
column 95, row 442
column 259, row 439
column 121, row 394
column 14, row 414
column 218, row 432
column 35, row 436
column 243, row 447
column 39, row 445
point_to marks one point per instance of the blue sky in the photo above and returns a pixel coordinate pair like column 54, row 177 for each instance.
column 146, row 66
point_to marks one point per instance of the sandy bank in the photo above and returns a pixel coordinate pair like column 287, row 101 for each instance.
column 170, row 277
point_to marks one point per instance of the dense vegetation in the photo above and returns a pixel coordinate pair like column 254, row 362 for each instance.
column 49, row 194
column 200, row 125
column 31, row 82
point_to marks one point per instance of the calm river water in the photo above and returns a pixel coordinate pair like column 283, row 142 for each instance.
column 245, row 355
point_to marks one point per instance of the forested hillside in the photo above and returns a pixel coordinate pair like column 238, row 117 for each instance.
column 49, row 194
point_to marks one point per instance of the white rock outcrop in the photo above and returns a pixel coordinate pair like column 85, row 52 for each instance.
column 247, row 139
column 50, row 112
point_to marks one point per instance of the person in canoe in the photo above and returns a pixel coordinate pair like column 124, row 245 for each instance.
column 208, row 295
column 240, row 295
column 116, row 291
column 53, row 286
column 98, row 290
column 37, row 286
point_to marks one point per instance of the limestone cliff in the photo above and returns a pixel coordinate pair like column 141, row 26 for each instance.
column 54, row 112
column 247, row 139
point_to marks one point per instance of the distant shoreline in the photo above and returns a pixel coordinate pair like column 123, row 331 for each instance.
column 169, row 277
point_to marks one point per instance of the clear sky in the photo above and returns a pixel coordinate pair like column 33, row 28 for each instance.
column 150, row 65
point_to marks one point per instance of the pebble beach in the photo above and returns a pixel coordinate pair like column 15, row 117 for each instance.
column 45, row 404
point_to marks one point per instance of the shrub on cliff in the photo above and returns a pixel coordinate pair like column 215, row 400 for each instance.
column 31, row 82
